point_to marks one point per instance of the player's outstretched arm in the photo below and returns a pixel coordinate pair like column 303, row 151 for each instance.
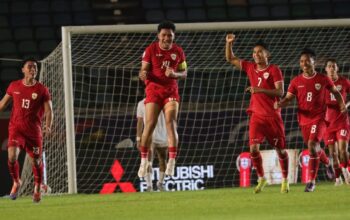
column 4, row 102
column 285, row 101
column 48, row 116
column 145, row 67
column 230, row 57
column 339, row 98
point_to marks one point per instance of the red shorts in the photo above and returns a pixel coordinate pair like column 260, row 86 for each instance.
column 161, row 95
column 314, row 131
column 271, row 128
column 331, row 137
column 33, row 146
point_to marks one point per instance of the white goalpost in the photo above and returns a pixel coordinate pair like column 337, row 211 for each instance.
column 93, row 78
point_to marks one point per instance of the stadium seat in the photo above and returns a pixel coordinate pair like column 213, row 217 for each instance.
column 258, row 2
column 237, row 2
column 259, row 12
column 27, row 47
column 81, row 5
column 279, row 11
column 194, row 4
column 4, row 8
column 237, row 13
column 5, row 34
column 213, row 3
column 45, row 33
column 301, row 11
column 8, row 48
column 153, row 16
column 4, row 21
column 217, row 14
column 196, row 15
column 342, row 9
column 47, row 46
column 176, row 15
column 20, row 7
column 20, row 20
column 60, row 6
column 40, row 6
column 83, row 18
column 172, row 4
column 322, row 10
column 41, row 20
column 152, row 4
column 10, row 74
column 24, row 33
column 62, row 19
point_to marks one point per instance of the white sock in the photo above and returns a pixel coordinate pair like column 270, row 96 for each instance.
column 148, row 179
column 161, row 177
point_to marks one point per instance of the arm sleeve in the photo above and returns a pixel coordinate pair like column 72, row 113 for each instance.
column 146, row 56
column 245, row 65
column 46, row 95
column 328, row 83
column 277, row 74
column 292, row 87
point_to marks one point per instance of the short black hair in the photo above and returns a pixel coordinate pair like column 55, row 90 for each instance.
column 261, row 44
column 166, row 25
column 309, row 52
column 32, row 59
column 330, row 60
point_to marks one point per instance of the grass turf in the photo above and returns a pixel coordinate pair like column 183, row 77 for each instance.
column 327, row 202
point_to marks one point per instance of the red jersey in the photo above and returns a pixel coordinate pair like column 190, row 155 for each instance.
column 310, row 93
column 28, row 107
column 262, row 104
column 160, row 59
column 333, row 114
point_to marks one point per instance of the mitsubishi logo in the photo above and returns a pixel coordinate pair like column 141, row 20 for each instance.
column 117, row 172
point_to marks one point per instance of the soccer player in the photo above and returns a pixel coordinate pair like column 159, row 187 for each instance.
column 159, row 144
column 337, row 133
column 266, row 88
column 31, row 101
column 309, row 88
column 163, row 62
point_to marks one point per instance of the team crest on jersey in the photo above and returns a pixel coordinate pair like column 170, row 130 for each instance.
column 339, row 87
column 34, row 95
column 173, row 56
column 317, row 86
column 266, row 75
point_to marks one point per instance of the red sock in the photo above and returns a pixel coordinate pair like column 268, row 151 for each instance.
column 284, row 162
column 38, row 174
column 172, row 152
column 14, row 170
column 342, row 165
column 257, row 163
column 337, row 170
column 144, row 152
column 323, row 157
column 314, row 163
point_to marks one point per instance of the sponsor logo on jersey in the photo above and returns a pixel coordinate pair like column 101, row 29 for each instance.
column 173, row 56
column 159, row 55
column 301, row 86
column 266, row 75
column 339, row 87
column 34, row 95
column 17, row 93
column 317, row 86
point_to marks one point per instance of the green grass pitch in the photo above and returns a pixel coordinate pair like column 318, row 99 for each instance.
column 327, row 202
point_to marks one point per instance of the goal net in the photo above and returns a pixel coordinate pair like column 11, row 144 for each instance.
column 212, row 125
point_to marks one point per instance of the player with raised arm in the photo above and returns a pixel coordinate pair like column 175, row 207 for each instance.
column 31, row 101
column 337, row 133
column 159, row 145
column 163, row 62
column 309, row 88
column 266, row 88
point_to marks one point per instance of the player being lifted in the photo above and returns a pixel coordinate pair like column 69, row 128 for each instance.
column 31, row 101
column 337, row 133
column 266, row 88
column 309, row 88
column 163, row 62
column 159, row 144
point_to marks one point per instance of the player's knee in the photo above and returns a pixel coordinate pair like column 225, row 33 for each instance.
column 254, row 149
